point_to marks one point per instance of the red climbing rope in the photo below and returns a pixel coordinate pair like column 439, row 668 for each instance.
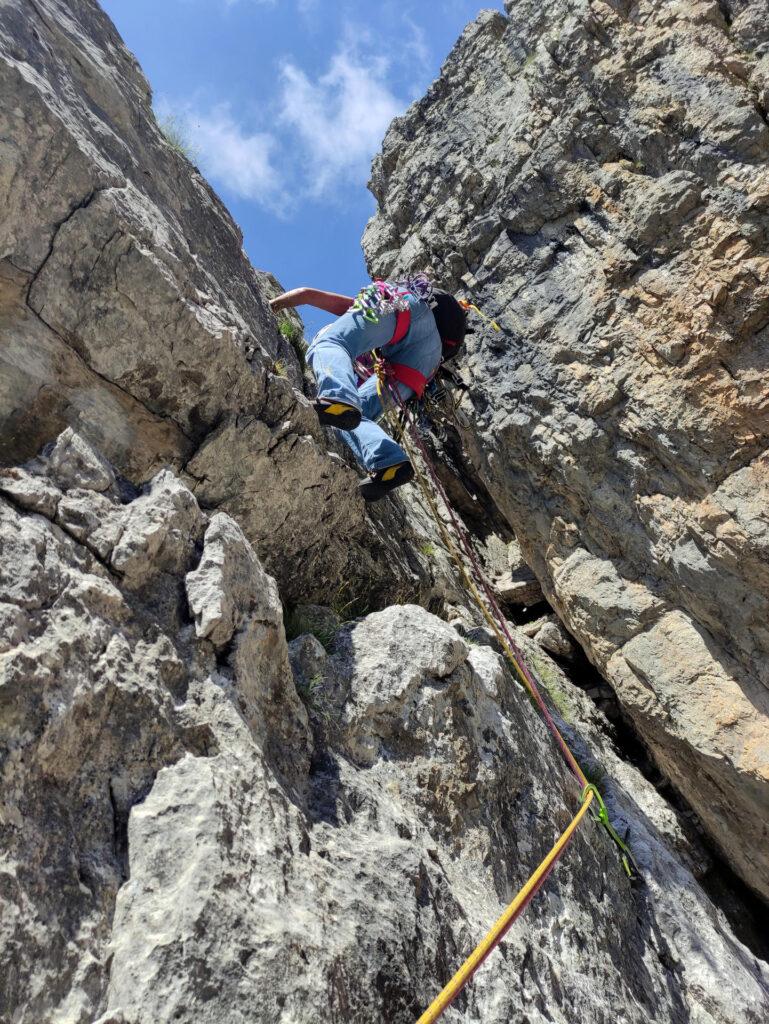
column 498, row 623
column 515, row 653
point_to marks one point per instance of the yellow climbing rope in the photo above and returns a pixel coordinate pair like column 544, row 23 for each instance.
column 501, row 631
column 512, row 911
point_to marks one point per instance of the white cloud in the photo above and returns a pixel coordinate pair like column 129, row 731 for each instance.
column 242, row 162
column 324, row 129
column 415, row 56
column 340, row 118
column 416, row 44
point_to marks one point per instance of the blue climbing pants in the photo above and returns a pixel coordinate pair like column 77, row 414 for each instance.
column 331, row 354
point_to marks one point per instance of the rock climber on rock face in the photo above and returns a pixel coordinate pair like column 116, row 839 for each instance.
column 413, row 326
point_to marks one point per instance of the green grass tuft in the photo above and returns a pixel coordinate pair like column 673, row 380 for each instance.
column 177, row 133
column 299, row 621
column 288, row 329
column 293, row 336
column 314, row 697
column 548, row 675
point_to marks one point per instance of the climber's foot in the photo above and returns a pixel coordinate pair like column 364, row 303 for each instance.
column 383, row 481
column 336, row 414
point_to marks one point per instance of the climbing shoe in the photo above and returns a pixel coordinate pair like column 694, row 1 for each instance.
column 383, row 481
column 336, row 414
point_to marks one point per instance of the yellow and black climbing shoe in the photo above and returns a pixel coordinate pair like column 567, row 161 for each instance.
column 336, row 414
column 383, row 481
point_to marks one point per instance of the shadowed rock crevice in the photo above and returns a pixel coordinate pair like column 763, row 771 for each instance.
column 748, row 917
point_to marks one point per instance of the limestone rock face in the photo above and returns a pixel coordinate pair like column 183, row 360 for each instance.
column 596, row 176
column 102, row 678
column 202, row 823
column 130, row 313
column 185, row 840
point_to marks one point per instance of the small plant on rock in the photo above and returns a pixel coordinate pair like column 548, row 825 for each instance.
column 547, row 674
column 305, row 619
column 177, row 134
column 288, row 329
column 293, row 336
column 314, row 697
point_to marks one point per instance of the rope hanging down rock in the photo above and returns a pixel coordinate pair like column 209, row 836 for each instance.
column 493, row 615
column 450, row 992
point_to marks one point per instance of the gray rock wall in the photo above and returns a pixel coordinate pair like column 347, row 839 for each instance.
column 129, row 311
column 595, row 175
column 184, row 839
column 201, row 822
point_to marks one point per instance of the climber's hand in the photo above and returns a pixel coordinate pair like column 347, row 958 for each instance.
column 296, row 297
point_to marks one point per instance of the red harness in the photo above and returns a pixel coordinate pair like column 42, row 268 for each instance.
column 402, row 324
column 407, row 375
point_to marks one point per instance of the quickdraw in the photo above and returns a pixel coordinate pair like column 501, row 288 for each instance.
column 466, row 304
column 379, row 298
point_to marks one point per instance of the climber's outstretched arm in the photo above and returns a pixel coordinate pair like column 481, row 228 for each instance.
column 329, row 301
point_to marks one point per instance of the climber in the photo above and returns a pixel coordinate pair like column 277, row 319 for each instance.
column 413, row 326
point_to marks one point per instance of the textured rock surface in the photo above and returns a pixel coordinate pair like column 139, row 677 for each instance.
column 596, row 175
column 554, row 638
column 200, row 822
column 182, row 842
column 129, row 311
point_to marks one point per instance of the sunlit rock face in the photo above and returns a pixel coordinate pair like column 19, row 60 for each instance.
column 205, row 823
column 202, row 822
column 129, row 311
column 596, row 176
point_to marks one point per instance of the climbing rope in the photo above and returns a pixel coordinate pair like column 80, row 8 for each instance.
column 497, row 621
column 506, row 920
column 493, row 615
column 466, row 304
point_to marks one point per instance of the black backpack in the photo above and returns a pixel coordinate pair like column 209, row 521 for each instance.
column 451, row 320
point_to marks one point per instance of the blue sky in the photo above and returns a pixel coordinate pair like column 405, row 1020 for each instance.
column 286, row 102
